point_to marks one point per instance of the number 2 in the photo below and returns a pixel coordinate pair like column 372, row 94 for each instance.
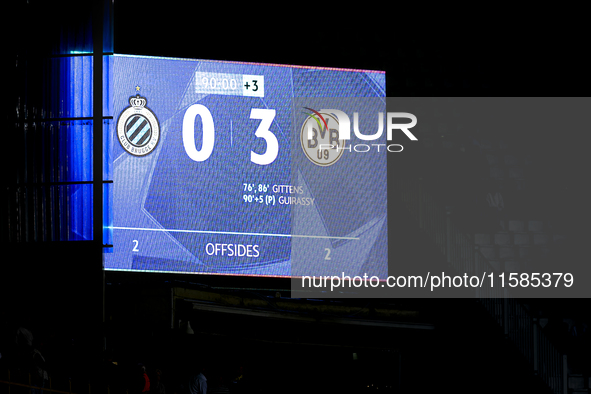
column 136, row 243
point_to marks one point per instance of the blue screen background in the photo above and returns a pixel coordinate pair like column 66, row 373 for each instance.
column 167, row 207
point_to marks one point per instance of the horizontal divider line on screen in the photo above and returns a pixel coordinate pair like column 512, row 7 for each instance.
column 233, row 233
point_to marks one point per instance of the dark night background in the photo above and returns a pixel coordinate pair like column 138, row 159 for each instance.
column 55, row 288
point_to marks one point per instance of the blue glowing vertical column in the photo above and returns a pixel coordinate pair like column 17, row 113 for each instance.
column 79, row 160
column 76, row 137
column 108, row 124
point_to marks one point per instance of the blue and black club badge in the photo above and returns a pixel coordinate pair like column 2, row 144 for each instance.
column 138, row 130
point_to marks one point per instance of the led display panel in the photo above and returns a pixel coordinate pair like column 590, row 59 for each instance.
column 239, row 169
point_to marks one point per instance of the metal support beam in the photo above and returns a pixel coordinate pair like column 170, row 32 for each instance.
column 536, row 350
column 565, row 374
column 97, row 151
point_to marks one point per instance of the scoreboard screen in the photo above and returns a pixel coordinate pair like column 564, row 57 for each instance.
column 239, row 169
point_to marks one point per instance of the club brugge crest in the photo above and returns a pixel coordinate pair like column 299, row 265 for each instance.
column 138, row 130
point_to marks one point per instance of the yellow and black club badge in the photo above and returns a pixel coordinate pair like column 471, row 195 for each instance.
column 138, row 130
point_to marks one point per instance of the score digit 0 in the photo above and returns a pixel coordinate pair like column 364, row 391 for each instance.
column 266, row 116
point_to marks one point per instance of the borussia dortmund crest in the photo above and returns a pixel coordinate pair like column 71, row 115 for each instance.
column 138, row 130
column 323, row 147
